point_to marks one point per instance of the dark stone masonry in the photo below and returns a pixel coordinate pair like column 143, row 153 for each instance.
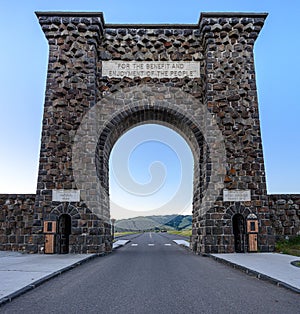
column 104, row 79
column 16, row 217
column 285, row 215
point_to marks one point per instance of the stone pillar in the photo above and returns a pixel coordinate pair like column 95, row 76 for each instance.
column 230, row 94
column 71, row 90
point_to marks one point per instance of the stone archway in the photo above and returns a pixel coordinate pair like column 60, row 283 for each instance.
column 196, row 79
column 95, row 144
column 199, row 129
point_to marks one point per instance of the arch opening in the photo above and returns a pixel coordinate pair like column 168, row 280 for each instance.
column 119, row 125
column 151, row 170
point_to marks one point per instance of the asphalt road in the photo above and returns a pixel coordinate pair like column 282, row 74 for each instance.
column 151, row 274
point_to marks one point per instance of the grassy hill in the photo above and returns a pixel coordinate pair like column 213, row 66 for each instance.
column 148, row 223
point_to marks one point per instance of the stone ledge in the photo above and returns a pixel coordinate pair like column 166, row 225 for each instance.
column 70, row 14
column 155, row 26
column 150, row 26
column 233, row 14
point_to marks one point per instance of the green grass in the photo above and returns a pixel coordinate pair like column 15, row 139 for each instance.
column 184, row 233
column 120, row 234
column 291, row 246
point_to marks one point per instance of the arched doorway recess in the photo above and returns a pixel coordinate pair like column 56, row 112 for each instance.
column 239, row 232
column 64, row 231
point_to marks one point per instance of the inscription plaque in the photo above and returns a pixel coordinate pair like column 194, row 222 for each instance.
column 153, row 69
column 236, row 195
column 65, row 195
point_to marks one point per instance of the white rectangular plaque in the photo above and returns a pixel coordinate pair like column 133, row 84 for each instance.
column 65, row 195
column 236, row 195
column 154, row 69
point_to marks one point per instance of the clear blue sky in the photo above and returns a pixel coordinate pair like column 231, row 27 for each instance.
column 23, row 64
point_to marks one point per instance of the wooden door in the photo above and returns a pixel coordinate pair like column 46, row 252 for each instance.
column 49, row 243
column 252, row 242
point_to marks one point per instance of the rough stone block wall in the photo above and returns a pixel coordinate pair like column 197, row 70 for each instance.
column 89, row 234
column 16, row 218
column 285, row 214
column 70, row 92
column 231, row 96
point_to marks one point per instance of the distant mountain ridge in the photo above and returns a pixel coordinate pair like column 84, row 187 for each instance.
column 147, row 223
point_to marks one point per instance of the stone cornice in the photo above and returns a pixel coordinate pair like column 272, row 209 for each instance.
column 71, row 14
column 236, row 24
column 94, row 22
column 153, row 26
column 203, row 15
column 232, row 14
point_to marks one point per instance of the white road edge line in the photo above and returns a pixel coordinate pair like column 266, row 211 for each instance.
column 119, row 243
column 182, row 242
